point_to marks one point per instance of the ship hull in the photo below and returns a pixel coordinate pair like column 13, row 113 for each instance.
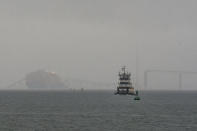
column 125, row 91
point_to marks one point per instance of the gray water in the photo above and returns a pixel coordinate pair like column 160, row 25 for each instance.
column 97, row 111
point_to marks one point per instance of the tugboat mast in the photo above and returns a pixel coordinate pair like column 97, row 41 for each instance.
column 124, row 69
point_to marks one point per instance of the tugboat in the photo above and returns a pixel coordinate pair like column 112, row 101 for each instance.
column 136, row 98
column 125, row 86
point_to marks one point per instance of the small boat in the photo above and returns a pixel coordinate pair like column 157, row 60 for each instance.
column 137, row 98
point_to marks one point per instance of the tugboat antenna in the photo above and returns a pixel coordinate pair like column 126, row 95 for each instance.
column 124, row 69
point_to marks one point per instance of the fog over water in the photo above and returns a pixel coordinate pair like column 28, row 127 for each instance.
column 92, row 39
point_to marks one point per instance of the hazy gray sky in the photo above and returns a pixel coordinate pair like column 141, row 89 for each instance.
column 91, row 39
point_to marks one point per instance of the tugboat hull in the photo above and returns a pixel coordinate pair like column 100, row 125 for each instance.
column 125, row 91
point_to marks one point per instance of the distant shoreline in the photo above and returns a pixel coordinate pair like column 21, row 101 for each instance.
column 89, row 90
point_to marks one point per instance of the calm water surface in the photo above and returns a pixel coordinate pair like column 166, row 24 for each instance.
column 97, row 111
